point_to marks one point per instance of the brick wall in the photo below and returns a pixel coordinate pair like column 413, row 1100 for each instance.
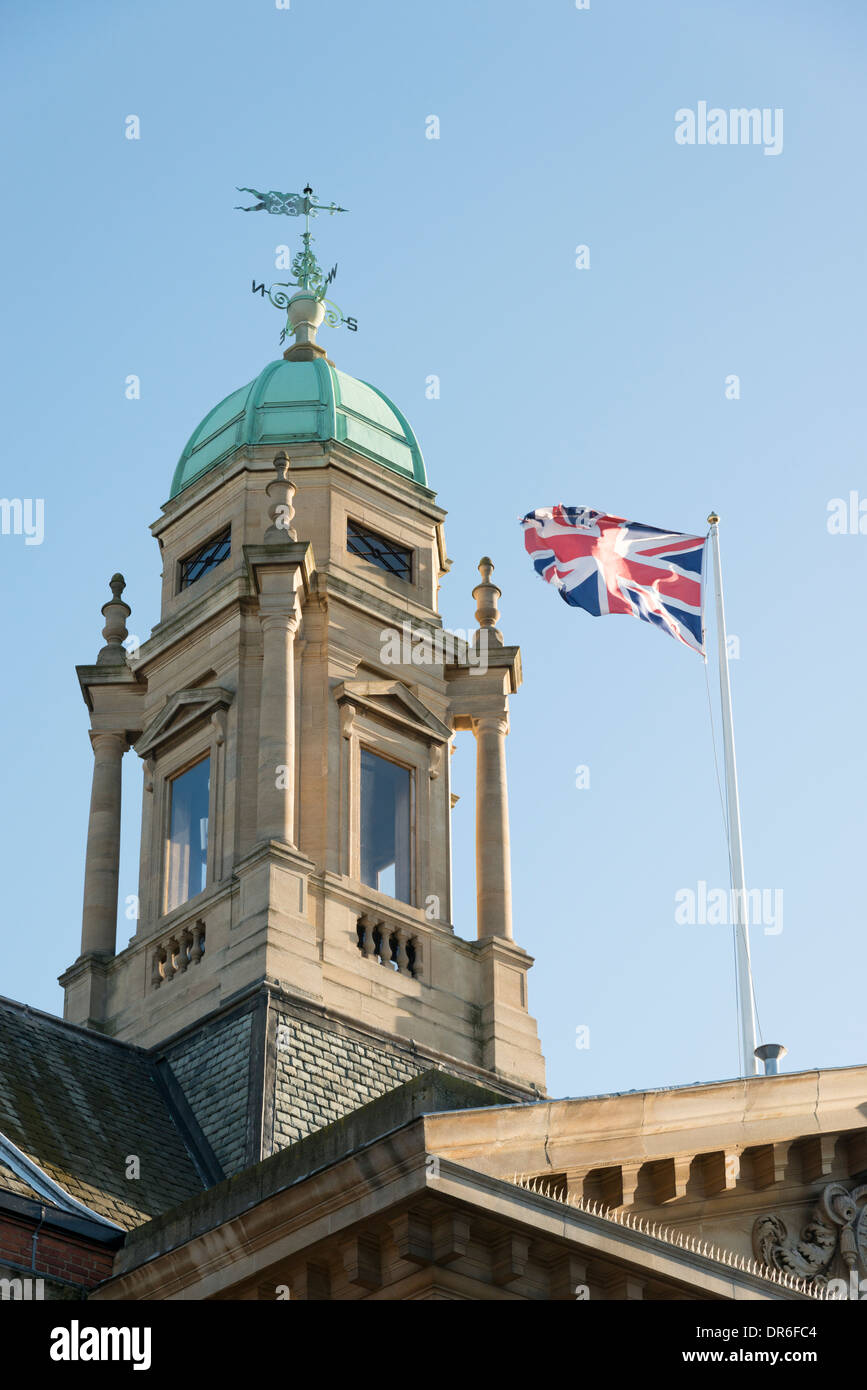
column 213, row 1071
column 63, row 1256
column 322, row 1075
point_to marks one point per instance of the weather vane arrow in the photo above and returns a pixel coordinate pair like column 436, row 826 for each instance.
column 310, row 281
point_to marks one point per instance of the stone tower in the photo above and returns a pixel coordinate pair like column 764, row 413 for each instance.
column 293, row 711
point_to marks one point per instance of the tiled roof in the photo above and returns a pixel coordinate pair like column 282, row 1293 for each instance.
column 81, row 1106
column 11, row 1182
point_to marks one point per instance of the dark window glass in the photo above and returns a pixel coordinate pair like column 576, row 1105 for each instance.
column 207, row 557
column 388, row 555
column 188, row 834
column 385, row 826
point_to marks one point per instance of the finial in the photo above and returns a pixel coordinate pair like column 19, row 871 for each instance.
column 486, row 595
column 308, row 307
column 713, row 519
column 115, row 613
column 281, row 491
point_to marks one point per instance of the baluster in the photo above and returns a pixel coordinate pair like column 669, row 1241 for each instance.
column 156, row 973
column 197, row 950
column 367, row 943
column 413, row 953
column 384, row 945
column 170, row 968
column 185, row 940
column 402, row 958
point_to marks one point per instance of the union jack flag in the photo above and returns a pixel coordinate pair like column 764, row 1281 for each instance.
column 607, row 565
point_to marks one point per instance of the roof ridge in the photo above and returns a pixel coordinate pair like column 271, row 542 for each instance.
column 63, row 1023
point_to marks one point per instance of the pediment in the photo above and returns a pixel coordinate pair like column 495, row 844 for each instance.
column 182, row 712
column 394, row 702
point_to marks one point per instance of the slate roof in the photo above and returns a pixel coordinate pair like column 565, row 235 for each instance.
column 78, row 1104
column 11, row 1182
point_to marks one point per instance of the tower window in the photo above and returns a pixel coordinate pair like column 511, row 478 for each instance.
column 379, row 550
column 186, row 869
column 206, row 558
column 386, row 826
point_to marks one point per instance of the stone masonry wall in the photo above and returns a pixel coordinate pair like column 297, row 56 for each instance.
column 322, row 1075
column 213, row 1070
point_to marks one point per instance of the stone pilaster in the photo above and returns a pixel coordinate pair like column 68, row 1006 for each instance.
column 281, row 573
column 276, row 788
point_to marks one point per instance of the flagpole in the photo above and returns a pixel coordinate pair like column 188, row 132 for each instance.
column 736, row 852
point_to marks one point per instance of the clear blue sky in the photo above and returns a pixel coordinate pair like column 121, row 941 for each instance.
column 602, row 386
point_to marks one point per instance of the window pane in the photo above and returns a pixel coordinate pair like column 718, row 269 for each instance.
column 206, row 558
column 385, row 826
column 188, row 834
column 378, row 550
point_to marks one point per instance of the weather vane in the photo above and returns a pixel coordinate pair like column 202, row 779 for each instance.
column 308, row 273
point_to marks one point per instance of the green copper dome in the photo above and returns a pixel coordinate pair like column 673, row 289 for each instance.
column 293, row 401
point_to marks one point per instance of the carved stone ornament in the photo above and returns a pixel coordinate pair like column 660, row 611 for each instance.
column 838, row 1225
column 347, row 720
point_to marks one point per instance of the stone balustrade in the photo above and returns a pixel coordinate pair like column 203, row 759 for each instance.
column 396, row 947
column 176, row 953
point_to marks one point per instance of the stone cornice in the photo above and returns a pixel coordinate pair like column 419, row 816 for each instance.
column 312, row 1193
column 304, row 455
column 208, row 611
column 115, row 680
column 331, row 585
column 646, row 1126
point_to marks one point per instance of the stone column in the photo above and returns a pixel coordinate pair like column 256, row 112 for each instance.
column 99, row 916
column 493, row 865
column 276, row 795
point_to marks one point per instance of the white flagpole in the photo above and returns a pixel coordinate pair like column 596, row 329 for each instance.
column 741, row 913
